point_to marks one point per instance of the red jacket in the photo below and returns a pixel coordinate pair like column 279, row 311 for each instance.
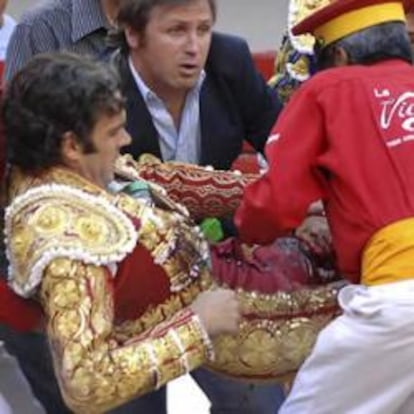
column 347, row 137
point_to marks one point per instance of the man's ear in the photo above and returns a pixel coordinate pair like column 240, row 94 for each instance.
column 71, row 148
column 133, row 38
column 341, row 57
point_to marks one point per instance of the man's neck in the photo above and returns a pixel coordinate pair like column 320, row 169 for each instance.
column 173, row 99
column 175, row 106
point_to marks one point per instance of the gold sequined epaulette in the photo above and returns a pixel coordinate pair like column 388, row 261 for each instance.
column 299, row 10
column 56, row 220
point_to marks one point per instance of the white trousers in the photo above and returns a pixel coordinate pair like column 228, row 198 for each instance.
column 363, row 361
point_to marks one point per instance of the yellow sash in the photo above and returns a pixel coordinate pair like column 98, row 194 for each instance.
column 389, row 255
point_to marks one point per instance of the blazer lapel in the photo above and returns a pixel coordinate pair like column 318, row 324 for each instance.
column 214, row 122
column 208, row 117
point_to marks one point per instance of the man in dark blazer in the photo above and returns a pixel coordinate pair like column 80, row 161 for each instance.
column 235, row 103
column 194, row 96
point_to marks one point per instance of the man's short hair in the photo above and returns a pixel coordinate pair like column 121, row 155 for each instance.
column 54, row 94
column 376, row 43
column 136, row 14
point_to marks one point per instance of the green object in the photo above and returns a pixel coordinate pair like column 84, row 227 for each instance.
column 212, row 230
column 139, row 190
column 135, row 187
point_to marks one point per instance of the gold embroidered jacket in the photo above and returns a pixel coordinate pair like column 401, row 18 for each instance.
column 65, row 239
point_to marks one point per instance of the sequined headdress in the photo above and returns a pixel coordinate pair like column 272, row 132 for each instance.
column 295, row 59
column 342, row 18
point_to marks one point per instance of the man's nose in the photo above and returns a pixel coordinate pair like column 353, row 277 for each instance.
column 193, row 42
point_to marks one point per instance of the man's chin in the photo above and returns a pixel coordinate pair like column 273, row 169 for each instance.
column 187, row 82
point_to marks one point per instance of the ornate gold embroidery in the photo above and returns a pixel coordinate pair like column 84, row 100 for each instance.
column 298, row 11
column 80, row 308
column 274, row 350
column 88, row 221
column 311, row 299
column 166, row 310
column 96, row 369
column 276, row 334
column 49, row 220
column 52, row 221
column 304, row 8
column 172, row 240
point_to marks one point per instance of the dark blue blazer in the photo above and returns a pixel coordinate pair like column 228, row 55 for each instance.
column 235, row 105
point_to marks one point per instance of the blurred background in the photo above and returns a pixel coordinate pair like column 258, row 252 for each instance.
column 260, row 22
